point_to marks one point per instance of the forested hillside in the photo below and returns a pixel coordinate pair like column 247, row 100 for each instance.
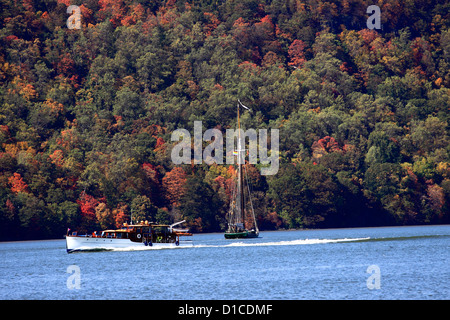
column 87, row 114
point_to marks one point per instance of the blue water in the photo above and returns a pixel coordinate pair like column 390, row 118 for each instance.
column 413, row 263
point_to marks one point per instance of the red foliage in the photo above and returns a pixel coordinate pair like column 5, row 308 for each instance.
column 174, row 185
column 150, row 171
column 28, row 5
column 10, row 206
column 241, row 31
column 225, row 184
column 329, row 144
column 274, row 219
column 66, row 65
column 159, row 142
column 323, row 146
column 264, row 34
column 17, row 183
column 11, row 37
column 160, row 146
column 113, row 9
column 127, row 21
column 218, row 87
column 345, row 68
column 4, row 129
column 265, row 25
column 296, row 53
column 65, row 2
column 87, row 205
column 240, row 22
column 86, row 14
column 368, row 35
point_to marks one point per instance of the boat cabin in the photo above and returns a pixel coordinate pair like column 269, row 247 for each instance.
column 146, row 232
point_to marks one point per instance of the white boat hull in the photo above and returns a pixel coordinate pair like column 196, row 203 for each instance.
column 77, row 243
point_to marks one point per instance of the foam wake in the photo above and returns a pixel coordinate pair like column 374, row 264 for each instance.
column 245, row 244
column 281, row 243
column 293, row 242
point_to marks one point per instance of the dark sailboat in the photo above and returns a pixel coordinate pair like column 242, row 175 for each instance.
column 241, row 222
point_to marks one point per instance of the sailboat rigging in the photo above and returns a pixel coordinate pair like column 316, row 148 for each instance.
column 240, row 224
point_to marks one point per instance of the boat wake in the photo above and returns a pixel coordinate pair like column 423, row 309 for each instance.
column 294, row 242
column 282, row 243
column 246, row 244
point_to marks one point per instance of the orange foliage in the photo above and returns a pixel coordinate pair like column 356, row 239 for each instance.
column 17, row 183
column 53, row 106
column 160, row 146
column 174, row 185
column 127, row 21
column 119, row 214
column 57, row 158
column 25, row 89
column 65, row 2
column 14, row 148
column 212, row 24
column 68, row 139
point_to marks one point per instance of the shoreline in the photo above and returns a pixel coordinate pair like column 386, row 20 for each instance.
column 262, row 231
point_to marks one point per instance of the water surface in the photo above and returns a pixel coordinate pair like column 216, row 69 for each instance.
column 413, row 263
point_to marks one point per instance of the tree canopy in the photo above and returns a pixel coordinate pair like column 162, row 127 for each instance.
column 86, row 115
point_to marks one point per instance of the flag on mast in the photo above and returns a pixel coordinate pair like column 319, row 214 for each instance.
column 245, row 107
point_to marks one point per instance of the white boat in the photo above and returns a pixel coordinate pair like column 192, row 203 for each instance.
column 130, row 237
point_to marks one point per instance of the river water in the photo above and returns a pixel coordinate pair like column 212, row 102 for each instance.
column 357, row 263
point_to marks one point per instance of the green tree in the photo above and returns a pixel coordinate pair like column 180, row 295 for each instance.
column 200, row 206
column 312, row 195
column 143, row 209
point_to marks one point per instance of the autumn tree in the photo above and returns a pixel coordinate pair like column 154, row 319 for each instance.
column 296, row 53
column 17, row 183
column 174, row 185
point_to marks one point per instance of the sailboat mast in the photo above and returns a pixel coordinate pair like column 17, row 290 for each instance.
column 236, row 215
column 240, row 173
